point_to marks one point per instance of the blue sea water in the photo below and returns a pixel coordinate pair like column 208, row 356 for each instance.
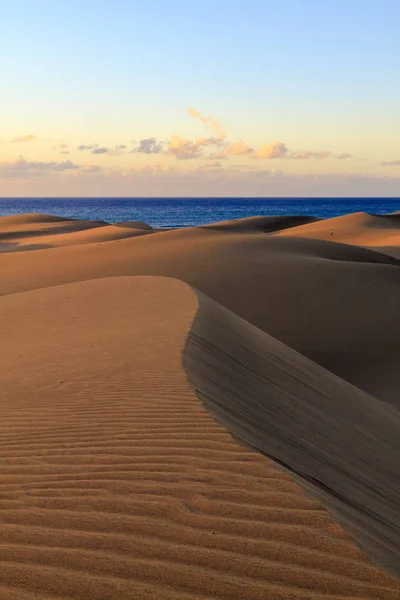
column 185, row 212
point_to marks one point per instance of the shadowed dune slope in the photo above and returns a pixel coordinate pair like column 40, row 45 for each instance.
column 38, row 232
column 359, row 228
column 31, row 218
column 116, row 483
column 391, row 250
column 90, row 235
column 342, row 443
column 262, row 224
column 17, row 226
column 134, row 224
column 336, row 304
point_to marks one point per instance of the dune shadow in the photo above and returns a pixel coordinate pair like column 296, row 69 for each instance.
column 339, row 443
column 16, row 247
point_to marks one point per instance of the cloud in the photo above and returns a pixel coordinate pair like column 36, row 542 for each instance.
column 273, row 150
column 161, row 179
column 91, row 169
column 234, row 149
column 21, row 168
column 280, row 150
column 184, row 149
column 209, row 122
column 305, row 154
column 215, row 164
column 61, row 148
column 343, row 155
column 117, row 150
column 148, row 146
column 83, row 147
column 96, row 149
column 29, row 137
column 390, row 163
column 100, row 150
column 157, row 168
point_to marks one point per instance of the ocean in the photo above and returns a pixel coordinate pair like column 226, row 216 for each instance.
column 186, row 212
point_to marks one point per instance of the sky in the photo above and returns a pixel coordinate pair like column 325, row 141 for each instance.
column 213, row 98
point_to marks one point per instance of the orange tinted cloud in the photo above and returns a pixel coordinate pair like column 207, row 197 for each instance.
column 235, row 149
column 24, row 138
column 209, row 122
column 184, row 149
column 273, row 150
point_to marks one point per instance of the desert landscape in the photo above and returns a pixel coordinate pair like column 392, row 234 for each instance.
column 199, row 413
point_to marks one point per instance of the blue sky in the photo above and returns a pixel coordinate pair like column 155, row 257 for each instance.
column 314, row 81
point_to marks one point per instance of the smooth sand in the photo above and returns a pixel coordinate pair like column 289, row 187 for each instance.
column 336, row 304
column 38, row 232
column 381, row 232
column 116, row 481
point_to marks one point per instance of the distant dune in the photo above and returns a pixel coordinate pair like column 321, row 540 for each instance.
column 37, row 232
column 201, row 413
column 262, row 224
column 379, row 231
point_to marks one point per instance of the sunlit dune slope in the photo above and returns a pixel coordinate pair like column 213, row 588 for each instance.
column 116, row 483
column 380, row 231
column 336, row 304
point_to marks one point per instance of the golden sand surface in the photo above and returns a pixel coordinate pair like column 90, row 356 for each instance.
column 201, row 413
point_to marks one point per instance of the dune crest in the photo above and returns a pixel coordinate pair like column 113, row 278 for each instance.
column 116, row 483
column 375, row 231
column 23, row 233
column 334, row 303
column 267, row 224
column 341, row 443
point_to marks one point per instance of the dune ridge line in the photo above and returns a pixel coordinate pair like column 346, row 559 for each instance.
column 342, row 444
column 115, row 483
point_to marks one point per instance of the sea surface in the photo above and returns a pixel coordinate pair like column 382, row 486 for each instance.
column 185, row 212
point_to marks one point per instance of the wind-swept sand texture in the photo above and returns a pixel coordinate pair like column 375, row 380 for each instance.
column 115, row 483
column 342, row 443
column 377, row 231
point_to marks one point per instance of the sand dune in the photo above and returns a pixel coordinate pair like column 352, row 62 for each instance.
column 29, row 225
column 134, row 224
column 116, row 483
column 379, row 231
column 31, row 218
column 343, row 444
column 263, row 224
column 336, row 304
column 38, row 232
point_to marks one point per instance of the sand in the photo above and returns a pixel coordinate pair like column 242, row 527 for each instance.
column 381, row 232
column 200, row 413
column 37, row 232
